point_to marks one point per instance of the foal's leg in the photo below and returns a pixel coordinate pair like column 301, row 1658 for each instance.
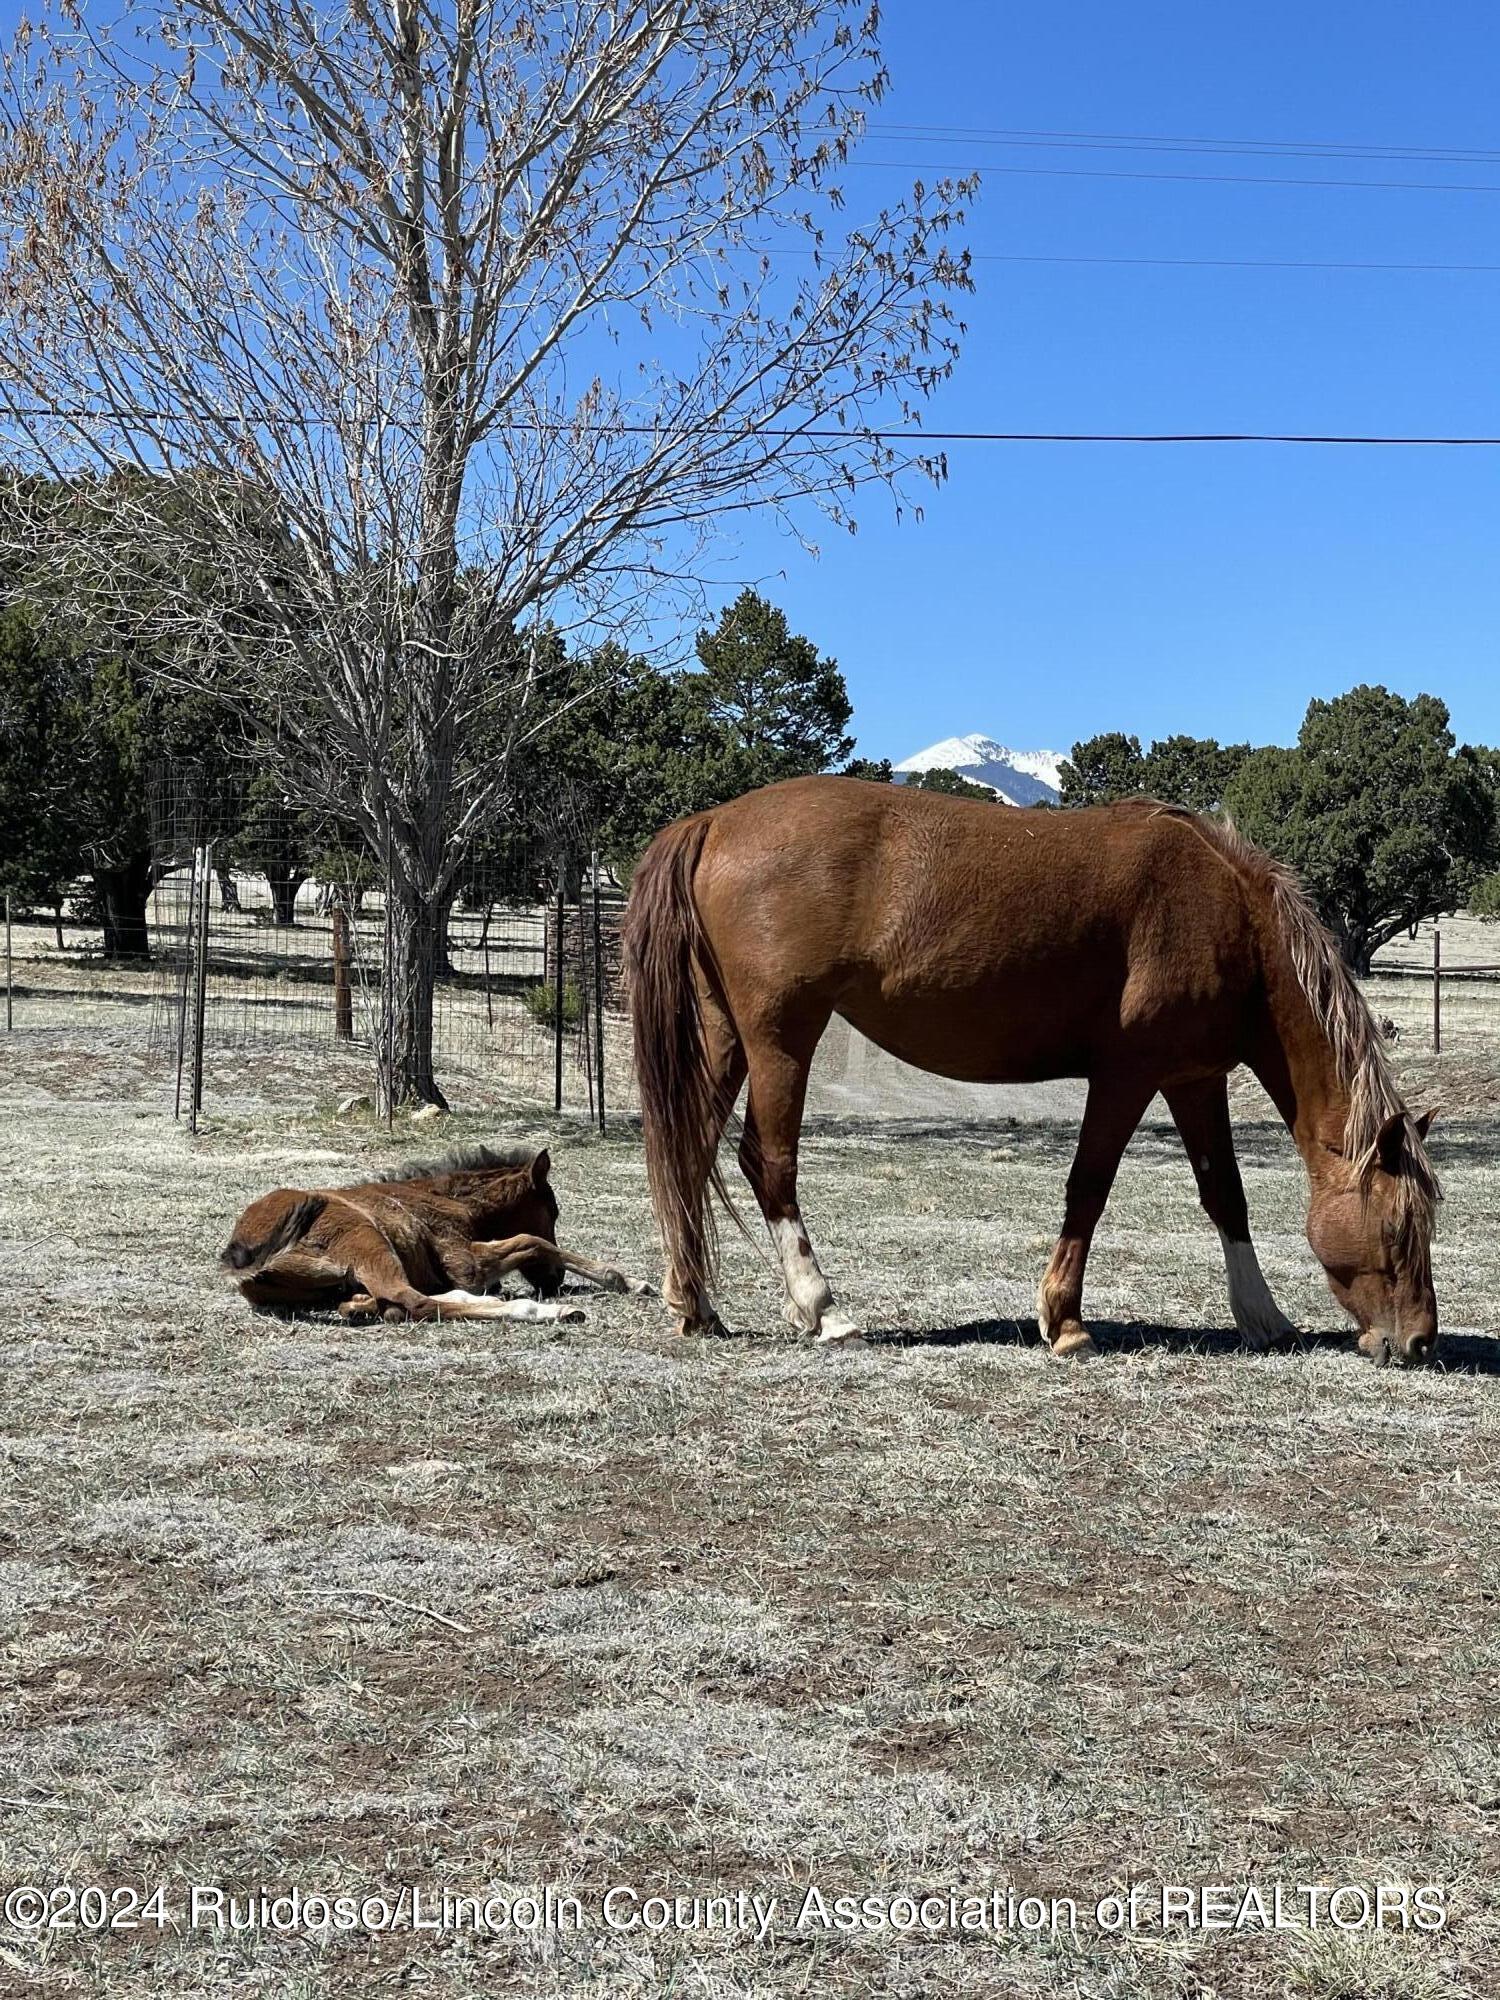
column 388, row 1290
column 295, row 1278
column 768, row 1157
column 1111, row 1114
column 1201, row 1114
column 457, row 1304
column 495, row 1260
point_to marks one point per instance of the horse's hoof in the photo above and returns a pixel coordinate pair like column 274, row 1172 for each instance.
column 707, row 1329
column 570, row 1314
column 1073, row 1342
column 837, row 1332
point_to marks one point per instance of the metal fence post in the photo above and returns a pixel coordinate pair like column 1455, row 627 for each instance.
column 557, row 1003
column 200, row 983
column 10, row 1017
column 598, row 988
column 1437, row 989
column 189, row 927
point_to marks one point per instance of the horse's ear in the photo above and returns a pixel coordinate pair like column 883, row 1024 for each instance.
column 1424, row 1123
column 541, row 1166
column 1390, row 1145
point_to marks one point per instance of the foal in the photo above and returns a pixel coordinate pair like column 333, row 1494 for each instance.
column 424, row 1242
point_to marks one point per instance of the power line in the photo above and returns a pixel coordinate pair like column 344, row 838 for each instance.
column 1188, row 263
column 823, row 433
column 1228, row 180
column 1121, row 437
column 1310, row 149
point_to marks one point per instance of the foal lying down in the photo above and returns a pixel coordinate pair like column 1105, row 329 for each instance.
column 425, row 1242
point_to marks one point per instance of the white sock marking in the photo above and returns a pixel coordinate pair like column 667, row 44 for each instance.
column 809, row 1296
column 479, row 1305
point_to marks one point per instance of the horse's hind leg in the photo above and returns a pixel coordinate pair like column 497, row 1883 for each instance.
column 1111, row 1114
column 725, row 1055
column 1201, row 1114
column 768, row 1157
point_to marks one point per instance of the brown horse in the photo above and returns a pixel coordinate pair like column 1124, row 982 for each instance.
column 424, row 1242
column 1138, row 945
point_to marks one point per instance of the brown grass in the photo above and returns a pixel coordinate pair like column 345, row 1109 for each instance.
column 741, row 1615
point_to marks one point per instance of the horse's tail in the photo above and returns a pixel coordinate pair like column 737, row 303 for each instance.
column 665, row 949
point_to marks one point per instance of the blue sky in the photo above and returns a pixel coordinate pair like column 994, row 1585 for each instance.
column 1056, row 590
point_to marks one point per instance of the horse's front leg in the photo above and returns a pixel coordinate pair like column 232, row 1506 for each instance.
column 1201, row 1114
column 1111, row 1114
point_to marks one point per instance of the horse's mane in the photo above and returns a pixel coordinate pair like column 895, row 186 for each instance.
column 1359, row 1051
column 463, row 1159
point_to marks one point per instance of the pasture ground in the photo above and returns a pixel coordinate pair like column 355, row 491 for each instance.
column 938, row 1613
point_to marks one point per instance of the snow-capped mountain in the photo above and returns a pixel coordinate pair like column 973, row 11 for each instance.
column 1019, row 777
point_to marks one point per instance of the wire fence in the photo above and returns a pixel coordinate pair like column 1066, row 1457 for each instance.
column 297, row 949
column 268, row 950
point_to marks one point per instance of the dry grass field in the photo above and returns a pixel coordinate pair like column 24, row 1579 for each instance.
column 289, row 1606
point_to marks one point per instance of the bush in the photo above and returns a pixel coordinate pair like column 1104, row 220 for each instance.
column 541, row 1002
column 1484, row 898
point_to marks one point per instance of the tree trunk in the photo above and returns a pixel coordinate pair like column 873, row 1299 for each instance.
column 1358, row 948
column 57, row 910
column 123, row 895
column 405, row 1057
column 445, row 956
column 229, row 894
column 284, row 884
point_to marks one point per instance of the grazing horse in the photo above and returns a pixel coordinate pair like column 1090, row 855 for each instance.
column 423, row 1242
column 1140, row 946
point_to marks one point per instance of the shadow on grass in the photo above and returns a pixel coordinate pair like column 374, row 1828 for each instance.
column 1460, row 1353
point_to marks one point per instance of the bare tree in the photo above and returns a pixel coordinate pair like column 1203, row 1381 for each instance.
column 458, row 319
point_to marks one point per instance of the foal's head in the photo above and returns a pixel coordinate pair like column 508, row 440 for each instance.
column 274, row 1223
column 1370, row 1226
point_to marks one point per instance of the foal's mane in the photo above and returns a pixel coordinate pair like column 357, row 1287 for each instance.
column 1359, row 1051
column 461, row 1160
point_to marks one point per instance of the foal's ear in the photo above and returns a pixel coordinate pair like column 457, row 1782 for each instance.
column 541, row 1166
column 1424, row 1123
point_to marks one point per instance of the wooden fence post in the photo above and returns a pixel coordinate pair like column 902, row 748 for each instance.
column 343, row 993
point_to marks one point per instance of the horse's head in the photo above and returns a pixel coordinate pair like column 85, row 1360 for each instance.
column 1370, row 1226
column 273, row 1223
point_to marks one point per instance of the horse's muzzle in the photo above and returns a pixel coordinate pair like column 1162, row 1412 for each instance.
column 1419, row 1351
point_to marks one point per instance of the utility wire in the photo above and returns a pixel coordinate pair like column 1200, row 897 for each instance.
column 851, row 433
column 1309, row 149
column 1184, row 263
column 1228, row 180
